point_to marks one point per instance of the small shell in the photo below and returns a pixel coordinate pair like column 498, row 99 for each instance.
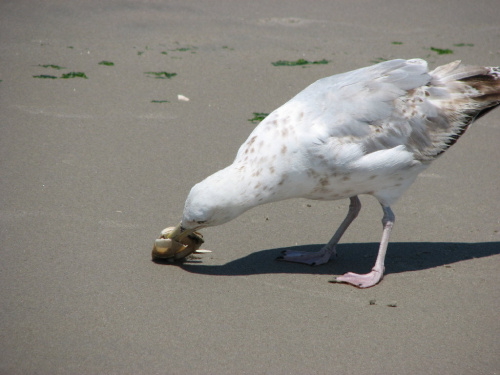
column 167, row 248
column 165, row 232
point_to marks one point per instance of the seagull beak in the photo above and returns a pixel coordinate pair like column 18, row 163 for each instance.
column 179, row 233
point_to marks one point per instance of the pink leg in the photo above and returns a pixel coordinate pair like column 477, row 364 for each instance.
column 323, row 255
column 372, row 278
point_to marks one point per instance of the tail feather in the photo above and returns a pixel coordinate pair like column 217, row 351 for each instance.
column 462, row 94
column 487, row 85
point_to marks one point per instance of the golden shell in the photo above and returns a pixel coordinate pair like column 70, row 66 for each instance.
column 170, row 249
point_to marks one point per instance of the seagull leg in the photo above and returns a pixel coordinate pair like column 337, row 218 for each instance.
column 377, row 272
column 323, row 255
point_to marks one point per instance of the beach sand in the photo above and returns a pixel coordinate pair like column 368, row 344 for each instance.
column 93, row 169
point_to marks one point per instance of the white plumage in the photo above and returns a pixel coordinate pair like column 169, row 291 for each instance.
column 368, row 131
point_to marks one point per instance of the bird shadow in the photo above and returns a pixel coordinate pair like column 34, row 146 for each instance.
column 356, row 257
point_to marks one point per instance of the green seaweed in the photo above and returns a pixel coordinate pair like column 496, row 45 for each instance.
column 107, row 63
column 52, row 66
column 160, row 75
column 397, row 43
column 378, row 60
column 464, row 45
column 74, row 75
column 258, row 117
column 139, row 53
column 185, row 49
column 45, row 76
column 160, row 101
column 164, row 53
column 298, row 62
column 441, row 51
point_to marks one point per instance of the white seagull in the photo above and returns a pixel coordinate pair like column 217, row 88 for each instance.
column 368, row 131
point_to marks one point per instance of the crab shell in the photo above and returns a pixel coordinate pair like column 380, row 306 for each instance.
column 170, row 249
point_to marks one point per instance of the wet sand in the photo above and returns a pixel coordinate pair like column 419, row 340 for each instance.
column 92, row 169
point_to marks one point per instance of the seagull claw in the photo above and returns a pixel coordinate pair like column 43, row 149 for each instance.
column 311, row 258
column 359, row 281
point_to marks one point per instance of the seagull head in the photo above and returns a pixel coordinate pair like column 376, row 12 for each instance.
column 216, row 200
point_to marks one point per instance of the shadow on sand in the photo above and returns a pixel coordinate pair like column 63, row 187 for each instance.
column 358, row 257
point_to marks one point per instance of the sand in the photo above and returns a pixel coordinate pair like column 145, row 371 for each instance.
column 92, row 170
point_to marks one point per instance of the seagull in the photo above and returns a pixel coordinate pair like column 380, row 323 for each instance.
column 368, row 131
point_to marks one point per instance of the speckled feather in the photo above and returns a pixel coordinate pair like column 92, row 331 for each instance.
column 368, row 131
